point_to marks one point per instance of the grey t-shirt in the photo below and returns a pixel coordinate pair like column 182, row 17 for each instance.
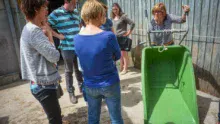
column 120, row 26
column 167, row 25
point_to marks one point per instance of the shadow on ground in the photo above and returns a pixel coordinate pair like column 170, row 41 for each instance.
column 131, row 97
column 4, row 120
column 131, row 93
column 15, row 84
column 209, row 78
column 203, row 107
column 80, row 116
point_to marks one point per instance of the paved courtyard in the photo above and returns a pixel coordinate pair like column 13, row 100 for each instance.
column 18, row 106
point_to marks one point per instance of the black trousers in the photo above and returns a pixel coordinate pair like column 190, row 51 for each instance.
column 49, row 101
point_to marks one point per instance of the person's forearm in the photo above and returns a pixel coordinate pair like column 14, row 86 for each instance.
column 186, row 10
column 129, row 32
column 50, row 37
column 55, row 34
column 184, row 17
column 132, row 26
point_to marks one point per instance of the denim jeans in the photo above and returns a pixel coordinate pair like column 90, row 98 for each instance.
column 70, row 63
column 49, row 101
column 112, row 96
column 219, row 112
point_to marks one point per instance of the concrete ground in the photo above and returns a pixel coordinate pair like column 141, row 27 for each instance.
column 18, row 106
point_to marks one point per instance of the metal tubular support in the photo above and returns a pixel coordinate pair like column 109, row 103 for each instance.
column 17, row 16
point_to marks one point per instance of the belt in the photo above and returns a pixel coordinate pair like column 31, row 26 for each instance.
column 59, row 81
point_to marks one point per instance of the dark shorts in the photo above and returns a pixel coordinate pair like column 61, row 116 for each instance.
column 125, row 43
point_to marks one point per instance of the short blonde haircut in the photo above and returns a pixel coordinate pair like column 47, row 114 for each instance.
column 159, row 7
column 91, row 10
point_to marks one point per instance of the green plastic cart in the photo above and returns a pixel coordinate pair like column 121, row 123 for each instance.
column 168, row 84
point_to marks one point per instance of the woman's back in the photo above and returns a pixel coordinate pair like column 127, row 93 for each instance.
column 96, row 53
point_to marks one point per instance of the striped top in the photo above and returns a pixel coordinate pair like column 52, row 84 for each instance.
column 66, row 23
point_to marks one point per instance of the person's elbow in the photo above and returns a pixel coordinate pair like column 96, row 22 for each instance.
column 118, row 55
column 57, row 58
column 54, row 57
column 132, row 26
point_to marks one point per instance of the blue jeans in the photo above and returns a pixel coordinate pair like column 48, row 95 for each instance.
column 112, row 96
column 219, row 113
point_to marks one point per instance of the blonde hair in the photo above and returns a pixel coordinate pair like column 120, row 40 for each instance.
column 159, row 7
column 91, row 10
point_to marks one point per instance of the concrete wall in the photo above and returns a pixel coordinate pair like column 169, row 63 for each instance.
column 9, row 66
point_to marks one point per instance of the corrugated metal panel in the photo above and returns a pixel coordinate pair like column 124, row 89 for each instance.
column 203, row 37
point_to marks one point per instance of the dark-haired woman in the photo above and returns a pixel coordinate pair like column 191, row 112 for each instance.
column 120, row 22
column 38, row 58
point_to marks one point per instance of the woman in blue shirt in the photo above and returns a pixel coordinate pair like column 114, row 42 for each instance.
column 97, row 50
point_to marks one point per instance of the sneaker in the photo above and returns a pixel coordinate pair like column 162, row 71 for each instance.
column 123, row 72
column 73, row 98
column 80, row 87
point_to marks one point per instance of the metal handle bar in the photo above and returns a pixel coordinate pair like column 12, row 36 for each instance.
column 170, row 31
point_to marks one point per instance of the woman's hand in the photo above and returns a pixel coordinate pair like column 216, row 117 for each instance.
column 127, row 33
column 186, row 8
column 46, row 29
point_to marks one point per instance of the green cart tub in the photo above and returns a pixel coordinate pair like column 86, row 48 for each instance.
column 168, row 86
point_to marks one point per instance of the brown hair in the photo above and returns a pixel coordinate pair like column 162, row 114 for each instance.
column 120, row 11
column 91, row 10
column 159, row 7
column 30, row 7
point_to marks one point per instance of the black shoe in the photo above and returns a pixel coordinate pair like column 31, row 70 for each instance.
column 80, row 88
column 73, row 98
